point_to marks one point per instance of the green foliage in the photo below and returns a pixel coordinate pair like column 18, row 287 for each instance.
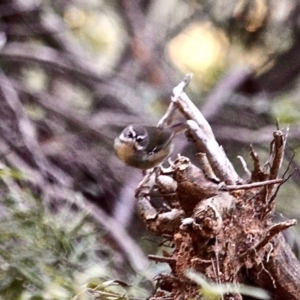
column 286, row 110
column 212, row 291
column 53, row 255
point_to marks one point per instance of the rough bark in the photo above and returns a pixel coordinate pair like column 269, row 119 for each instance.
column 220, row 226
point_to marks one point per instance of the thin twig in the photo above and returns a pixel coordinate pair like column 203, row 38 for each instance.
column 206, row 167
column 278, row 153
column 257, row 171
column 271, row 232
column 273, row 197
column 289, row 164
column 244, row 164
column 251, row 185
column 162, row 259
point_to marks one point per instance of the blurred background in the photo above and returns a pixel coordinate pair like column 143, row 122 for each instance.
column 73, row 73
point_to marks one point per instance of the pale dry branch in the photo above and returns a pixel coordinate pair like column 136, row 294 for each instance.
column 252, row 185
column 206, row 167
column 202, row 133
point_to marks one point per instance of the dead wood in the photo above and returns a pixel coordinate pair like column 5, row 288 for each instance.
column 220, row 225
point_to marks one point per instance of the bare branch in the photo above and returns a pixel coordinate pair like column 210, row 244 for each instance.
column 271, row 232
column 277, row 152
column 202, row 134
column 206, row 167
column 251, row 185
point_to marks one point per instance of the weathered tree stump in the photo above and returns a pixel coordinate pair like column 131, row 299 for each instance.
column 220, row 226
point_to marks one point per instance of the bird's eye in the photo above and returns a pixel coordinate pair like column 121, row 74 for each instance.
column 130, row 135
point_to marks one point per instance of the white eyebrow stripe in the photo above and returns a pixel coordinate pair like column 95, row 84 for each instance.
column 123, row 138
column 142, row 136
column 131, row 130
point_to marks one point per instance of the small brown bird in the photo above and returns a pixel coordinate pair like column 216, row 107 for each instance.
column 144, row 147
